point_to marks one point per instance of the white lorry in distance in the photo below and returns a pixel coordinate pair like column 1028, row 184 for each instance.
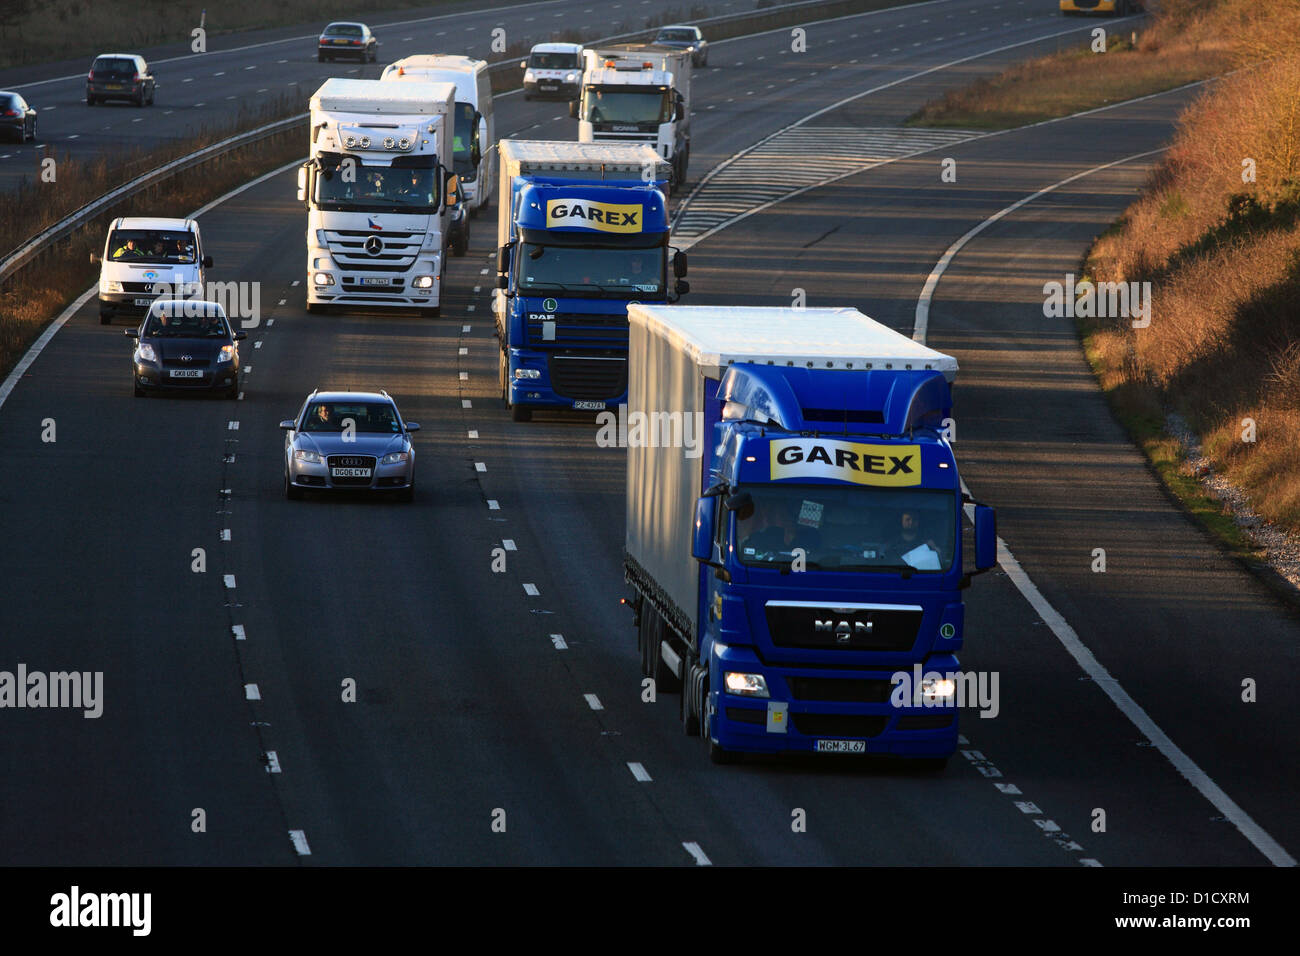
column 638, row 93
column 474, row 130
column 376, row 194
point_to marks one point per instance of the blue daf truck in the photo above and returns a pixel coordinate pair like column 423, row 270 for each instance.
column 582, row 231
column 798, row 572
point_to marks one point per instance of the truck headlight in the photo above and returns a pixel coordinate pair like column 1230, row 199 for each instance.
column 302, row 454
column 527, row 373
column 938, row 690
column 422, row 282
column 393, row 457
column 323, row 278
column 111, row 285
column 227, row 354
column 747, row 685
column 146, row 353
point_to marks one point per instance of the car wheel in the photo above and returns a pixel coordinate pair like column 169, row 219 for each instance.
column 138, row 391
column 33, row 131
column 90, row 100
column 232, row 393
column 320, row 57
column 461, row 246
column 153, row 94
column 291, row 491
column 527, row 97
column 521, row 413
column 139, row 99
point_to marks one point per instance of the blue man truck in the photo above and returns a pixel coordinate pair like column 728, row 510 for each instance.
column 582, row 230
column 797, row 573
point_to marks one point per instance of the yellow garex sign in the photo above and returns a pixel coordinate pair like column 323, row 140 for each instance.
column 584, row 214
column 895, row 465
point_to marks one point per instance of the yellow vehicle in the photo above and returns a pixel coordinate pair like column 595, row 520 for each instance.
column 1118, row 8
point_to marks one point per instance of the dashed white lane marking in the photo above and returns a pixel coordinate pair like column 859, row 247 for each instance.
column 220, row 73
column 508, row 544
column 294, row 282
column 230, row 581
column 247, row 369
column 232, row 426
column 531, row 589
column 464, row 328
column 559, row 642
column 251, row 692
column 593, row 702
column 473, row 433
column 241, row 396
column 188, row 79
column 493, row 505
column 466, row 403
column 694, row 850
column 299, row 839
column 225, row 534
column 272, row 762
column 469, row 308
column 281, row 302
column 238, row 631
column 638, row 771
column 462, row 351
column 480, row 466
column 464, row 376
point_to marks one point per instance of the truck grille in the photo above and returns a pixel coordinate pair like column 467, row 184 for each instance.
column 590, row 378
column 578, row 328
column 637, row 137
column 399, row 249
column 839, row 725
column 848, row 630
column 839, row 689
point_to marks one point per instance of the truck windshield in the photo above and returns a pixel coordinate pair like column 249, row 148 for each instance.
column 463, row 141
column 553, row 61
column 600, row 271
column 614, row 105
column 152, row 245
column 847, row 528
column 350, row 186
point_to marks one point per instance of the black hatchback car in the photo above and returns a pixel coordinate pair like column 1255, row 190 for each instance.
column 16, row 117
column 120, row 76
column 186, row 344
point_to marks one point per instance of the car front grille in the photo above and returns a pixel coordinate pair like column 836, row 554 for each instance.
column 350, row 461
column 196, row 362
column 588, row 378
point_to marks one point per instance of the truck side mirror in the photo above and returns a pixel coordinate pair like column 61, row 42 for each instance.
column 302, row 183
column 503, row 261
column 986, row 538
column 706, row 513
column 207, row 262
column 573, row 109
column 679, row 265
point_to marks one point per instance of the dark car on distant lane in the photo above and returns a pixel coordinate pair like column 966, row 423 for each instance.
column 120, row 76
column 16, row 117
column 347, row 39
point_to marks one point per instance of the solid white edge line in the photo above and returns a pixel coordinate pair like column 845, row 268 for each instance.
column 12, row 379
column 1087, row 661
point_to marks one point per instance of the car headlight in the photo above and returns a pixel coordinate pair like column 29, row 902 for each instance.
column 323, row 278
column 227, row 354
column 302, row 454
column 527, row 373
column 111, row 285
column 747, row 685
column 571, row 78
column 146, row 353
column 393, row 457
column 422, row 282
column 529, row 76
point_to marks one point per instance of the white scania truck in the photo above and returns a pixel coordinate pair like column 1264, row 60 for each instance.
column 376, row 194
column 638, row 93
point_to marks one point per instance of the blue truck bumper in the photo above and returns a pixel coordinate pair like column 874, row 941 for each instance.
column 788, row 721
column 590, row 383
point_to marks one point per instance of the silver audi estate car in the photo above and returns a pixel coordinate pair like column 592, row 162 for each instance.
column 349, row 440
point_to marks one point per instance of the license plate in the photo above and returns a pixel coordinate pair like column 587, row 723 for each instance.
column 368, row 280
column 113, row 86
column 186, row 373
column 549, row 87
column 589, row 406
column 144, row 302
column 350, row 472
column 841, row 746
column 341, row 42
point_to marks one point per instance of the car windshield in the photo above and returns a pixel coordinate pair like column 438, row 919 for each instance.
column 364, row 417
column 591, row 270
column 343, row 30
column 676, row 36
column 349, row 185
column 847, row 528
column 181, row 325
column 463, row 138
column 160, row 246
column 553, row 61
column 626, row 105
column 113, row 66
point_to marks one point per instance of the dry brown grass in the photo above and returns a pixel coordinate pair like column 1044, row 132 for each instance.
column 1183, row 44
column 1223, row 254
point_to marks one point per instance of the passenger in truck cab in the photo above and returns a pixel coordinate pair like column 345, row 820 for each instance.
column 775, row 530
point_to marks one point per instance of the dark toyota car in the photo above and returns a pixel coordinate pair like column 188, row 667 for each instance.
column 120, row 76
column 16, row 117
column 186, row 344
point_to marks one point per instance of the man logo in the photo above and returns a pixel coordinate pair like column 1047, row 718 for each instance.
column 844, row 631
column 374, row 245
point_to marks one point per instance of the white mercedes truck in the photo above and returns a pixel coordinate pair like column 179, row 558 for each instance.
column 376, row 193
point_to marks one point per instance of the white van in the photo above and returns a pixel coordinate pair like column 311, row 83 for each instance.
column 553, row 71
column 475, row 132
column 147, row 258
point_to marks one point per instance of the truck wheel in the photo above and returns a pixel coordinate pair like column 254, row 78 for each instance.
column 929, row 764
column 716, row 754
column 686, row 705
column 521, row 413
column 503, row 373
